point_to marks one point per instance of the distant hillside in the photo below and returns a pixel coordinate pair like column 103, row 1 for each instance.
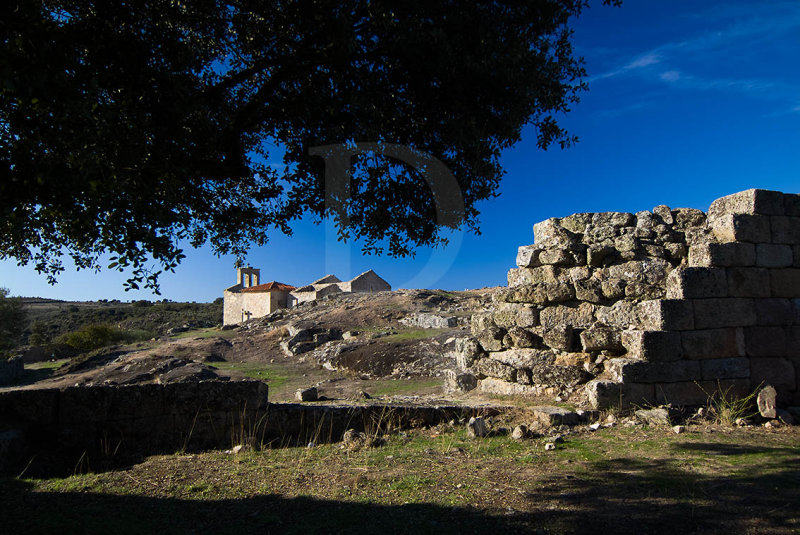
column 49, row 318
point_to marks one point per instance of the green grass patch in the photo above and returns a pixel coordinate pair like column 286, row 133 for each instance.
column 414, row 334
column 255, row 370
column 210, row 332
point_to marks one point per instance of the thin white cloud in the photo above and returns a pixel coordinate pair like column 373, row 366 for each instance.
column 675, row 63
column 670, row 76
column 783, row 18
column 651, row 58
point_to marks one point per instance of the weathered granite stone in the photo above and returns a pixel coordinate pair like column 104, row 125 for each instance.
column 524, row 358
column 774, row 311
column 765, row 341
column 751, row 201
column 658, row 416
column 459, row 381
column 774, row 255
column 785, row 229
column 466, row 350
column 574, row 274
column 603, row 394
column 492, row 368
column 601, row 338
column 580, row 317
column 597, row 255
column 491, row 339
column 675, row 251
column 550, row 233
column 573, row 359
column 613, row 288
column 559, row 337
column 666, row 315
column 493, row 385
column 551, row 416
column 650, row 271
column 728, row 368
column 785, row 282
column 791, row 204
column 477, row 427
column 688, row 217
column 636, row 371
column 729, row 254
column 306, row 394
column 621, row 315
column 554, row 375
column 590, row 290
column 766, row 401
column 528, row 256
column 713, row 343
column 509, row 315
column 723, row 312
column 556, row 257
column 577, row 222
column 744, row 228
column 519, row 337
column 748, row 282
column 696, row 282
column 654, row 346
column 664, row 214
column 480, row 322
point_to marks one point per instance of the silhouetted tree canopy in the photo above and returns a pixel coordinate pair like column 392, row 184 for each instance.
column 129, row 127
column 12, row 320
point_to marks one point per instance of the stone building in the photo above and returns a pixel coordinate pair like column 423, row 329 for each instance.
column 369, row 281
column 248, row 299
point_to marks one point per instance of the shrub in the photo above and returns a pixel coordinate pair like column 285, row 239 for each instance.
column 99, row 335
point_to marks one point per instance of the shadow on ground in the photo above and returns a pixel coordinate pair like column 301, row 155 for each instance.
column 674, row 495
column 78, row 512
column 671, row 495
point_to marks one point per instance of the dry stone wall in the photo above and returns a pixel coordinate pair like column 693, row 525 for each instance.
column 661, row 306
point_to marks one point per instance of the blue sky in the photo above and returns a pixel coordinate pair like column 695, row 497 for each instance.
column 688, row 101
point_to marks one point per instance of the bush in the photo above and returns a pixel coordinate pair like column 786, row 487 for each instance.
column 99, row 335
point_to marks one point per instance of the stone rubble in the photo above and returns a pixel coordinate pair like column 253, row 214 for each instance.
column 659, row 307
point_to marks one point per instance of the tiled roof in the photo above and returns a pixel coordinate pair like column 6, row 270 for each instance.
column 268, row 287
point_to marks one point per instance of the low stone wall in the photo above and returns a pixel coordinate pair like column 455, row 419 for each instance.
column 290, row 424
column 99, row 424
column 11, row 370
column 90, row 428
column 665, row 306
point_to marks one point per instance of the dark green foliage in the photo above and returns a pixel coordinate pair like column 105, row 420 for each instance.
column 51, row 320
column 126, row 127
column 12, row 320
column 95, row 336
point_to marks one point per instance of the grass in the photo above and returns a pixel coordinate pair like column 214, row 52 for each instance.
column 438, row 480
column 727, row 407
column 39, row 371
column 255, row 370
column 209, row 332
column 414, row 334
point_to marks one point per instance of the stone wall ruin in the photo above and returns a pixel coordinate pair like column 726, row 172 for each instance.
column 662, row 306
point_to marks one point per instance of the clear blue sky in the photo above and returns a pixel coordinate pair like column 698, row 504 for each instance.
column 688, row 101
